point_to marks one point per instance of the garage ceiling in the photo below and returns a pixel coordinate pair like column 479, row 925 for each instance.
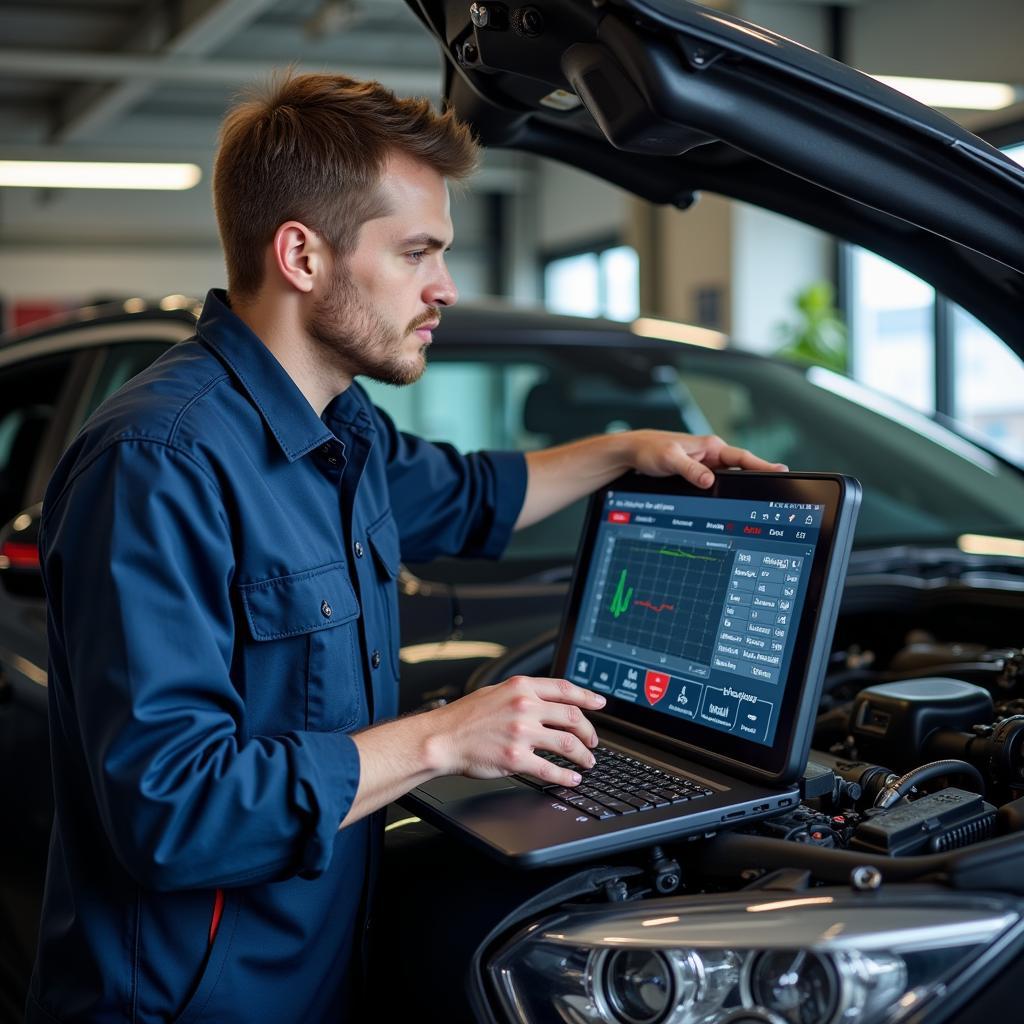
column 150, row 80
column 77, row 73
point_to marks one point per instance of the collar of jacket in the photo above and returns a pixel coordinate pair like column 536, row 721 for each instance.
column 284, row 408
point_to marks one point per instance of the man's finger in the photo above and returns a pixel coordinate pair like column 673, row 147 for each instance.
column 548, row 773
column 692, row 470
column 570, row 718
column 563, row 692
column 741, row 458
column 565, row 744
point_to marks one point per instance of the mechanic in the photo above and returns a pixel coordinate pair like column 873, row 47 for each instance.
column 220, row 546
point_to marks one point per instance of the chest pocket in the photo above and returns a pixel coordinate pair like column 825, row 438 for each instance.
column 383, row 538
column 305, row 628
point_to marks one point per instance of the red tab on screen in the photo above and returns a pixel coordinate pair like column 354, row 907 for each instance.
column 655, row 686
column 618, row 517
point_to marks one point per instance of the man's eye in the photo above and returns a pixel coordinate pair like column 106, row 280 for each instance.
column 417, row 255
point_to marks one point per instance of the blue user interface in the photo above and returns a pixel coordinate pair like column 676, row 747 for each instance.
column 691, row 606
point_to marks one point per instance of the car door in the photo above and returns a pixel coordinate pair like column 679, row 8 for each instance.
column 48, row 388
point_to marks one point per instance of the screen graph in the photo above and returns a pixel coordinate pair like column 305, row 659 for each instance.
column 663, row 597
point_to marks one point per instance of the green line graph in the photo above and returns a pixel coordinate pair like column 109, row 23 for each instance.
column 662, row 597
column 687, row 554
column 622, row 598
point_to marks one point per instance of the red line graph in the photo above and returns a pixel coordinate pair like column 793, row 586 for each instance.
column 660, row 608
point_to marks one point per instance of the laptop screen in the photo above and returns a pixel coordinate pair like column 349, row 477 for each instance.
column 690, row 607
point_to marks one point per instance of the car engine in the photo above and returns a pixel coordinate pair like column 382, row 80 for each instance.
column 894, row 889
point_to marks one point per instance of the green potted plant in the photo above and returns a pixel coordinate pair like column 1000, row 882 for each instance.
column 817, row 336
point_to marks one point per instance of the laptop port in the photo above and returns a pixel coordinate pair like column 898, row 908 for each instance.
column 785, row 801
column 761, row 807
column 733, row 814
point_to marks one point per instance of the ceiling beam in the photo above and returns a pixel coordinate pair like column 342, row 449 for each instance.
column 200, row 28
column 151, row 69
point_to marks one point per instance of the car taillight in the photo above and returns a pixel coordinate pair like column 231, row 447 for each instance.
column 19, row 556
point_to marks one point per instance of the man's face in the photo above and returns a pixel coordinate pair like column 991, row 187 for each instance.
column 376, row 315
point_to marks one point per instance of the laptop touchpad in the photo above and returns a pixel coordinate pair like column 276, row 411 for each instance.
column 458, row 787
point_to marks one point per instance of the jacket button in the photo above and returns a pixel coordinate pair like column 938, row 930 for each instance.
column 358, row 548
column 375, row 659
column 327, row 610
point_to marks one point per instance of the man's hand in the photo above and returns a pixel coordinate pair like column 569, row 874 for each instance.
column 557, row 477
column 663, row 452
column 495, row 731
column 487, row 734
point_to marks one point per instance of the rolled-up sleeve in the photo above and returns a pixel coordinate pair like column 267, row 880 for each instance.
column 142, row 639
column 447, row 503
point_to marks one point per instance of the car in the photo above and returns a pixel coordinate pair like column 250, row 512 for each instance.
column 465, row 624
column 861, row 904
column 676, row 100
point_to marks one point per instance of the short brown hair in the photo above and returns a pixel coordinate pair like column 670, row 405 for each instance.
column 312, row 148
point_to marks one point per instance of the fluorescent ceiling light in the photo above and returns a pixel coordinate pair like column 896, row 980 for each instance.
column 952, row 95
column 69, row 174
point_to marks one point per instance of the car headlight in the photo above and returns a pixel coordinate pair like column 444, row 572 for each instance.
column 816, row 959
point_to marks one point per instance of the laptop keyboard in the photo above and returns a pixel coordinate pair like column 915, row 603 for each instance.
column 619, row 784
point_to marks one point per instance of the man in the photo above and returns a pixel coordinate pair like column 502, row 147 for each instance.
column 220, row 546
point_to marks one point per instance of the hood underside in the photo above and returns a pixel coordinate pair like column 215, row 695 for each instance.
column 678, row 99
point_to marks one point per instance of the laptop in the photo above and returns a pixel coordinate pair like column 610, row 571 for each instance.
column 706, row 619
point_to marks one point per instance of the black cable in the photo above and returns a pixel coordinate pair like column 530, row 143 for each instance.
column 895, row 790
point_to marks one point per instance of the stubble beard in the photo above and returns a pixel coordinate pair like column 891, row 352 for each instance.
column 368, row 346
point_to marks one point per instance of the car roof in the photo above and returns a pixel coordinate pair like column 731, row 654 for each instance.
column 679, row 99
column 105, row 314
column 493, row 321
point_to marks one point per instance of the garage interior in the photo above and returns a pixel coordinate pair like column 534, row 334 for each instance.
column 148, row 82
column 125, row 80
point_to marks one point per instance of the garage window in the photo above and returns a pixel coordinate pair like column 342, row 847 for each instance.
column 601, row 280
column 921, row 348
column 892, row 330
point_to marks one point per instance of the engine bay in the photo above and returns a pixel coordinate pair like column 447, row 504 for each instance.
column 913, row 792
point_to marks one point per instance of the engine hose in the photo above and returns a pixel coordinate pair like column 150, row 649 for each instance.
column 898, row 789
column 996, row 863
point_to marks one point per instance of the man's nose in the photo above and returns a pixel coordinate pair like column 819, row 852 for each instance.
column 441, row 291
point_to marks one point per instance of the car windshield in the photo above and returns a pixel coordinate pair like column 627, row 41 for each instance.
column 922, row 482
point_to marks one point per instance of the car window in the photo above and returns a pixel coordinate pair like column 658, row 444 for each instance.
column 530, row 399
column 29, row 394
column 118, row 365
column 922, row 483
column 533, row 398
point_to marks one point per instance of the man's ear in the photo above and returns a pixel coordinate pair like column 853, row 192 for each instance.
column 299, row 254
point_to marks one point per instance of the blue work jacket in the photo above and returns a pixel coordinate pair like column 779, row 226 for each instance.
column 220, row 569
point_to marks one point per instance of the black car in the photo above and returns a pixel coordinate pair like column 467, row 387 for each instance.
column 547, row 379
column 845, row 909
column 669, row 99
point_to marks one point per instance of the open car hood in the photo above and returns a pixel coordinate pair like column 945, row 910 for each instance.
column 678, row 98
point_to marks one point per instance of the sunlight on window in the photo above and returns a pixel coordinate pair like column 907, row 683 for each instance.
column 573, row 285
column 893, row 331
column 620, row 268
column 989, row 385
column 605, row 283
